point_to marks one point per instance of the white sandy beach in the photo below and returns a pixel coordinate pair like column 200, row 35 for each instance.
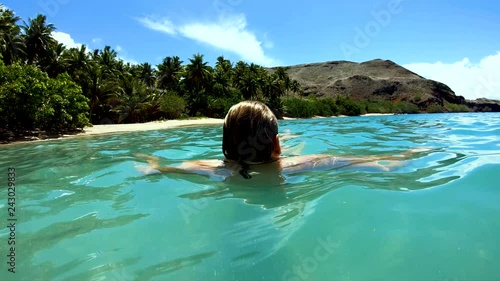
column 157, row 125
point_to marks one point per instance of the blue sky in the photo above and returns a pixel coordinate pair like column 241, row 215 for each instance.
column 455, row 42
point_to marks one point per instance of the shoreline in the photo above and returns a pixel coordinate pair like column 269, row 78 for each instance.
column 148, row 126
column 341, row 116
column 109, row 129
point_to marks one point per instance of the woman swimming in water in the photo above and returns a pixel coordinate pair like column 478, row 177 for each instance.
column 251, row 146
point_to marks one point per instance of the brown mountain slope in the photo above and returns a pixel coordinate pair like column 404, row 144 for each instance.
column 484, row 105
column 373, row 80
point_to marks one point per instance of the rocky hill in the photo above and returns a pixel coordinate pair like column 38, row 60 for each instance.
column 484, row 105
column 375, row 80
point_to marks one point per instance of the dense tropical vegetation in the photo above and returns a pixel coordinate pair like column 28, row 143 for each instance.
column 45, row 85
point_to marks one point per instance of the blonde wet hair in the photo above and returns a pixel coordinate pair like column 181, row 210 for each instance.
column 249, row 133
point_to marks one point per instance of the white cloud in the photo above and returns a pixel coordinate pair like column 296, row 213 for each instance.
column 69, row 42
column 162, row 25
column 65, row 39
column 464, row 77
column 229, row 33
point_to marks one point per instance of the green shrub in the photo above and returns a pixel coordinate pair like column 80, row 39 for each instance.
column 435, row 108
column 67, row 103
column 452, row 107
column 300, row 108
column 487, row 109
column 333, row 105
column 29, row 100
column 406, row 107
column 379, row 107
column 311, row 106
column 348, row 107
column 172, row 106
column 215, row 108
column 326, row 107
column 22, row 92
column 218, row 107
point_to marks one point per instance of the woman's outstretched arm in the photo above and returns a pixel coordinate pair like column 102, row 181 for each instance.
column 154, row 163
column 187, row 167
column 325, row 161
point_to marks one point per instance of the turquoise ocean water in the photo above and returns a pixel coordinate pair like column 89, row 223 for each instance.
column 84, row 212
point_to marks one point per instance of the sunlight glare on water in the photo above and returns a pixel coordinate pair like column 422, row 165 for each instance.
column 86, row 213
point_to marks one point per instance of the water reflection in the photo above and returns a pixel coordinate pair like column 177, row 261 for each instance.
column 169, row 266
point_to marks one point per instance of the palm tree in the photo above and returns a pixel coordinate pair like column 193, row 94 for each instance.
column 37, row 38
column 295, row 87
column 239, row 71
column 198, row 73
column 198, row 77
column 132, row 102
column 247, row 79
column 7, row 20
column 98, row 89
column 52, row 62
column 272, row 89
column 169, row 73
column 107, row 58
column 76, row 61
column 222, row 75
column 11, row 44
column 284, row 79
column 249, row 86
column 223, row 65
column 147, row 74
column 12, row 48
